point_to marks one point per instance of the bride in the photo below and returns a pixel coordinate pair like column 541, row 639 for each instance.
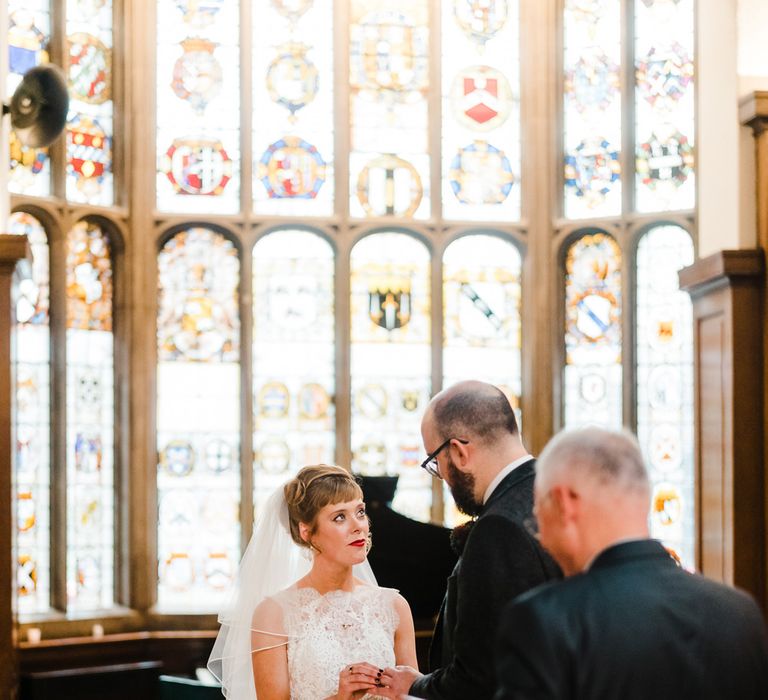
column 308, row 621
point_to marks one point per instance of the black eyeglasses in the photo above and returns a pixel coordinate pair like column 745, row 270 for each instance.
column 430, row 463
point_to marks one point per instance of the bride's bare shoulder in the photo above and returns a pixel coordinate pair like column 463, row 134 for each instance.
column 268, row 609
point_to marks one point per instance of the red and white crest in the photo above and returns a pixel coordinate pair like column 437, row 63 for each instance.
column 481, row 98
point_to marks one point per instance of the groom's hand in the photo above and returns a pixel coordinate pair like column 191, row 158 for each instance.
column 397, row 681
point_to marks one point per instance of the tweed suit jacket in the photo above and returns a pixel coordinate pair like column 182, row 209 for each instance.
column 500, row 561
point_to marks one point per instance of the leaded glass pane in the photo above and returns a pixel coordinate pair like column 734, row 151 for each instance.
column 389, row 82
column 593, row 386
column 198, row 419
column 664, row 106
column 665, row 385
column 32, row 423
column 592, row 108
column 481, row 110
column 293, row 357
column 481, row 318
column 90, row 419
column 198, row 106
column 390, row 363
column 90, row 127
column 29, row 36
column 293, row 108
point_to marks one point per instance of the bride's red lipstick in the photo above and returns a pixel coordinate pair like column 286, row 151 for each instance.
column 357, row 543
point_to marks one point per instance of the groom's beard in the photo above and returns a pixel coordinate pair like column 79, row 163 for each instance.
column 462, row 486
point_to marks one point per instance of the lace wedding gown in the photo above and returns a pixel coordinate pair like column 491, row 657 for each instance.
column 329, row 632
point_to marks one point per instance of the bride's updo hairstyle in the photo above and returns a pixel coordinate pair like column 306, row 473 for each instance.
column 313, row 488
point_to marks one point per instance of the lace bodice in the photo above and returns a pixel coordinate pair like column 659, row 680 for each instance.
column 328, row 632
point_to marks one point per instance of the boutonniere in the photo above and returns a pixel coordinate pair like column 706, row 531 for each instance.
column 459, row 536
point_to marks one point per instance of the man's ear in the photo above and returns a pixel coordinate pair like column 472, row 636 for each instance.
column 566, row 501
column 462, row 453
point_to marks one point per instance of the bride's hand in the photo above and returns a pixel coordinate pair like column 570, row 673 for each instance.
column 357, row 679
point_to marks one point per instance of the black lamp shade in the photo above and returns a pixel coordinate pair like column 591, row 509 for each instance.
column 39, row 106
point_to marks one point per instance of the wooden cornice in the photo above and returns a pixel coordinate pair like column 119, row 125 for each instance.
column 13, row 249
column 753, row 111
column 725, row 266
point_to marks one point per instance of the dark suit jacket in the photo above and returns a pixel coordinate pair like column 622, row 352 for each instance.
column 634, row 626
column 500, row 560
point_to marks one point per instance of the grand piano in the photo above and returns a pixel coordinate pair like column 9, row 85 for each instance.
column 414, row 557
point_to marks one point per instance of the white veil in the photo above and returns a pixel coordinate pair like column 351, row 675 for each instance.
column 271, row 563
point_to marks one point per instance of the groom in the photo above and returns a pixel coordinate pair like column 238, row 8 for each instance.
column 473, row 442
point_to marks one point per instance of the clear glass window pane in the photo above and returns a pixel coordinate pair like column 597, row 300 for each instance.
column 32, row 423
column 664, row 106
column 665, row 385
column 390, row 363
column 481, row 318
column 198, row 420
column 293, row 357
column 389, row 83
column 481, row 111
column 90, row 419
column 592, row 392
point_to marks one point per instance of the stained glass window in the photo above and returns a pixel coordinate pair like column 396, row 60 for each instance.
column 293, row 107
column 390, row 363
column 90, row 126
column 481, row 110
column 481, row 302
column 665, row 385
column 664, row 105
column 592, row 107
column 90, row 418
column 29, row 37
column 592, row 378
column 198, row 419
column 389, row 82
column 293, row 356
column 198, row 106
column 32, row 481
column 481, row 316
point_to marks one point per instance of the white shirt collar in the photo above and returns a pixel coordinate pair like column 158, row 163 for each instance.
column 500, row 476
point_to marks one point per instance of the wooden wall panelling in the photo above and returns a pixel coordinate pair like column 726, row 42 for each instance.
column 12, row 249
column 753, row 112
column 727, row 292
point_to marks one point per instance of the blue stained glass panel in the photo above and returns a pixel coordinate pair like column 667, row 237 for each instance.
column 481, row 110
column 593, row 338
column 293, row 117
column 90, row 128
column 592, row 108
column 29, row 36
column 198, row 106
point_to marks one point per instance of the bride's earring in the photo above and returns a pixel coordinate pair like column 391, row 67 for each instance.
column 368, row 543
